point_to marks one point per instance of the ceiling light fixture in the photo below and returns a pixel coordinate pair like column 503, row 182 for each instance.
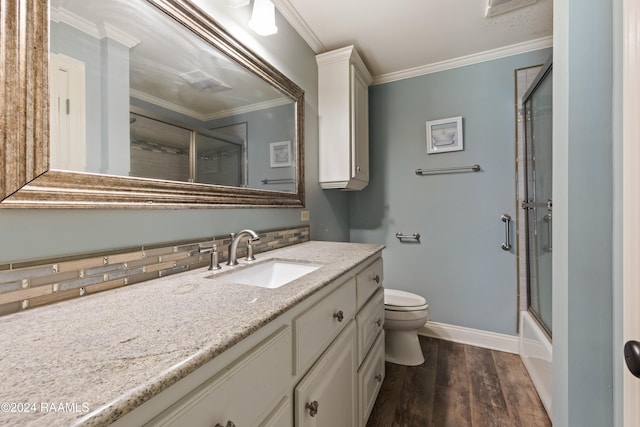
column 263, row 18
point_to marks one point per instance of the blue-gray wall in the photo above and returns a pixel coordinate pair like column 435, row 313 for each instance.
column 459, row 266
column 32, row 234
column 274, row 124
column 583, row 187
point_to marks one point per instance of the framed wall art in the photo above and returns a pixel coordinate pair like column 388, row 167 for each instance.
column 280, row 154
column 444, row 135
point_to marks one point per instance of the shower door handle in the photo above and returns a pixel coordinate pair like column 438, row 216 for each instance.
column 548, row 219
column 632, row 357
column 506, row 218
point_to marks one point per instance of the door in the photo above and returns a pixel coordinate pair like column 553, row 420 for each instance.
column 67, row 101
column 359, row 126
column 539, row 203
column 631, row 199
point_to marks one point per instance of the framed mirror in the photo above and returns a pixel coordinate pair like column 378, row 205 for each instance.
column 142, row 103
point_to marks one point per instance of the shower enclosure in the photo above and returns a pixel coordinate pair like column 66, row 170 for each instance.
column 538, row 205
column 535, row 223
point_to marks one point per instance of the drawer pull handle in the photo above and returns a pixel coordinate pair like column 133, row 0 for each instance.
column 378, row 322
column 379, row 378
column 376, row 278
column 339, row 315
column 229, row 424
column 312, row 407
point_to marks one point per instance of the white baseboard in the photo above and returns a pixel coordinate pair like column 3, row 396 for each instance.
column 476, row 337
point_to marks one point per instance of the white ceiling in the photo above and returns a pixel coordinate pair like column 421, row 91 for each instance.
column 400, row 38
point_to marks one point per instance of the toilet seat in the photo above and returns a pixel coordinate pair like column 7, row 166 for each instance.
column 397, row 300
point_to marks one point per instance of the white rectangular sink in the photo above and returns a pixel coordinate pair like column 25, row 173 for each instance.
column 270, row 274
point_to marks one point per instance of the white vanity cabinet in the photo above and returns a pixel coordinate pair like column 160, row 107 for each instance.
column 370, row 377
column 320, row 363
column 250, row 391
column 343, row 109
column 317, row 327
column 327, row 396
column 370, row 323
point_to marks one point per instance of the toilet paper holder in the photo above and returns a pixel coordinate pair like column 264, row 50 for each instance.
column 415, row 237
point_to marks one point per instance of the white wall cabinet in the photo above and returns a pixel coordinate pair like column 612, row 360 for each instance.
column 343, row 109
column 328, row 349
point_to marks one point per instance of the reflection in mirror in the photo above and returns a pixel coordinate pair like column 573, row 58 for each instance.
column 135, row 94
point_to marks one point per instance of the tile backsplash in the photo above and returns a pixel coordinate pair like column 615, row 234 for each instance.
column 34, row 283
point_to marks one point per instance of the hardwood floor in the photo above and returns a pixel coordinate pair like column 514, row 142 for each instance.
column 458, row 385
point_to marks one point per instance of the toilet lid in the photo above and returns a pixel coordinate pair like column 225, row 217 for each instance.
column 397, row 298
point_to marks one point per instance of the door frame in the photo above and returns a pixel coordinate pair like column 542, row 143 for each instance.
column 630, row 200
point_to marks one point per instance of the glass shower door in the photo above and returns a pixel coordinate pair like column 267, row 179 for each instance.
column 539, row 204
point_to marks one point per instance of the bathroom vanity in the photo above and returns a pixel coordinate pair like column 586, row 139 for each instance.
column 196, row 349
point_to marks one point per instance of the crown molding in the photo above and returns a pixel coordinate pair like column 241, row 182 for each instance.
column 463, row 61
column 97, row 31
column 168, row 105
column 287, row 10
column 295, row 20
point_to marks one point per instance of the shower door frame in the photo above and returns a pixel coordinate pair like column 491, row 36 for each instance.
column 531, row 204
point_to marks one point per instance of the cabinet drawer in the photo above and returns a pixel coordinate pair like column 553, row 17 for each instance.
column 370, row 377
column 282, row 415
column 370, row 320
column 245, row 392
column 314, row 329
column 368, row 281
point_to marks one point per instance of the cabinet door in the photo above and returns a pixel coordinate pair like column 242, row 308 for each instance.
column 370, row 379
column 359, row 127
column 245, row 393
column 326, row 396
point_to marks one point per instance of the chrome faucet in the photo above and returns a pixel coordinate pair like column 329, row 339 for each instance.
column 233, row 246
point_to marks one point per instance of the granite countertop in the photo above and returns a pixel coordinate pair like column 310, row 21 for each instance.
column 90, row 360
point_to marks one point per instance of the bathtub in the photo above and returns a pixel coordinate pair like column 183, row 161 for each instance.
column 535, row 352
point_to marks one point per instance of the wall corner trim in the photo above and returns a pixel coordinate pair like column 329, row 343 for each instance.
column 476, row 337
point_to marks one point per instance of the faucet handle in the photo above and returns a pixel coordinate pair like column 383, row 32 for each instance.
column 250, row 256
column 205, row 249
column 214, row 264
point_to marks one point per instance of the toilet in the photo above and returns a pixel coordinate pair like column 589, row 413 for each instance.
column 404, row 314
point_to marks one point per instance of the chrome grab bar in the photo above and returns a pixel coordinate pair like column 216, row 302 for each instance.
column 402, row 237
column 506, row 218
column 473, row 168
column 278, row 181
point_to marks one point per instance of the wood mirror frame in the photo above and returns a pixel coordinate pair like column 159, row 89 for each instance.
column 26, row 180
